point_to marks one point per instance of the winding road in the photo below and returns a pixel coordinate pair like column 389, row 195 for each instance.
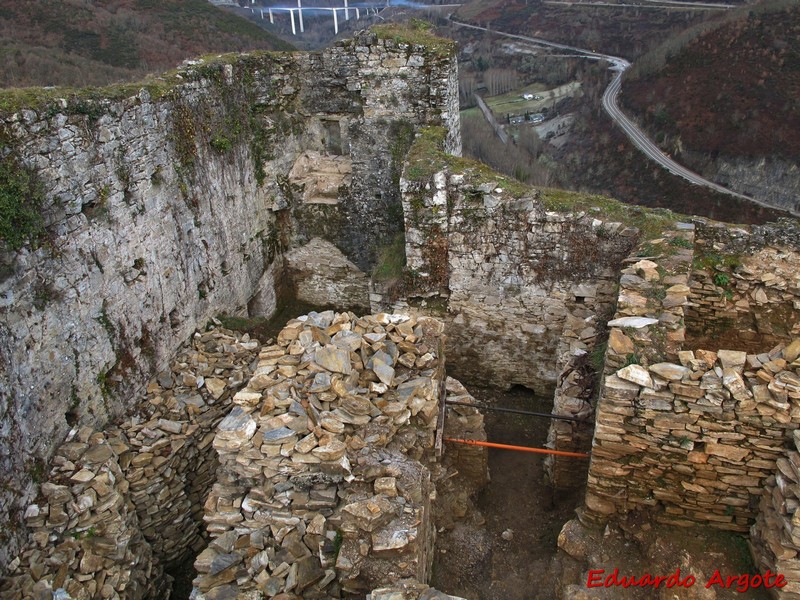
column 611, row 106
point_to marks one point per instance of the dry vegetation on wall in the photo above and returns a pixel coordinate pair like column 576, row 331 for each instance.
column 79, row 42
column 734, row 90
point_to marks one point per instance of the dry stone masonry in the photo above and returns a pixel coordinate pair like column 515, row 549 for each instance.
column 743, row 283
column 121, row 504
column 705, row 437
column 173, row 201
column 775, row 536
column 323, row 487
column 307, row 468
column 307, row 463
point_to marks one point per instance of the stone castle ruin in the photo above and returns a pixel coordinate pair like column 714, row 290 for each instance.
column 137, row 433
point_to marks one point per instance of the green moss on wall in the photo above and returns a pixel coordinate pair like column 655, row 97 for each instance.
column 427, row 156
column 21, row 198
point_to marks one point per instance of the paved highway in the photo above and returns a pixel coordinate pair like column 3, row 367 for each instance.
column 611, row 106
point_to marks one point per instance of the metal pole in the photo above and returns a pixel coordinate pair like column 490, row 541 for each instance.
column 300, row 14
column 517, row 448
column 519, row 412
column 346, row 12
column 291, row 14
column 358, row 16
column 271, row 18
column 335, row 23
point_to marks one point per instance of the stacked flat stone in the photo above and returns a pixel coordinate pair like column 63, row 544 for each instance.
column 695, row 432
column 749, row 293
column 516, row 276
column 466, row 422
column 84, row 534
column 116, row 181
column 172, row 464
column 649, row 293
column 119, row 505
column 320, row 490
column 775, row 536
column 572, row 399
column 700, row 437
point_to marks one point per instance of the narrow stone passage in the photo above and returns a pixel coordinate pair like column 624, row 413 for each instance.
column 509, row 556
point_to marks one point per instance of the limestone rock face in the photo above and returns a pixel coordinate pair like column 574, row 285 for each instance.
column 164, row 217
column 321, row 176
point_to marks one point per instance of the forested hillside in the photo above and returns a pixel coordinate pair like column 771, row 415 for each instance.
column 621, row 31
column 96, row 42
column 732, row 91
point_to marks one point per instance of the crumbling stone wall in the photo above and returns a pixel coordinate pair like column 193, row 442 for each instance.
column 322, row 487
column 775, row 536
column 173, row 201
column 744, row 284
column 121, row 505
column 322, row 276
column 696, row 433
column 514, row 276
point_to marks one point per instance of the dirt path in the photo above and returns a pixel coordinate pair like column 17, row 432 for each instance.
column 474, row 560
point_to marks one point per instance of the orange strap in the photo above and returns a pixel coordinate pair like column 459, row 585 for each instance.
column 517, row 448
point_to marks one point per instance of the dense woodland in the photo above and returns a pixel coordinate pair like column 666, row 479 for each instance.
column 96, row 42
column 729, row 88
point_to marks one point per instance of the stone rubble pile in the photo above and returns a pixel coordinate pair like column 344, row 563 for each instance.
column 649, row 293
column 320, row 490
column 84, row 534
column 700, row 437
column 172, row 464
column 120, row 504
column 775, row 536
column 572, row 398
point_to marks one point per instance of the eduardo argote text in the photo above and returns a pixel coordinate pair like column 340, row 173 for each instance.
column 741, row 583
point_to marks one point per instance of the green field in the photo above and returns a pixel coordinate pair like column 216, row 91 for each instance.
column 513, row 103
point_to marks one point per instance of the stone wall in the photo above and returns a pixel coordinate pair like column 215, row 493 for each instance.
column 513, row 276
column 323, row 487
column 171, row 202
column 775, row 536
column 744, row 287
column 334, row 497
column 695, row 433
column 122, row 504
column 322, row 276
column 573, row 399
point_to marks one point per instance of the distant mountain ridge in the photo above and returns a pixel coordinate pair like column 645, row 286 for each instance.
column 85, row 42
